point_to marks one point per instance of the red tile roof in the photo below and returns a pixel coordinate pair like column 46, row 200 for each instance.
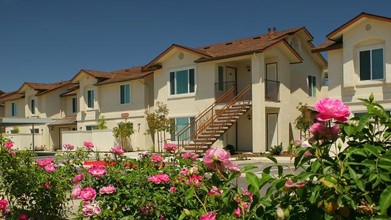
column 71, row 91
column 334, row 40
column 11, row 96
column 126, row 75
column 238, row 47
column 43, row 88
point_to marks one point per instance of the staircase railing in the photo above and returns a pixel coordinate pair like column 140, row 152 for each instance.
column 186, row 133
column 244, row 95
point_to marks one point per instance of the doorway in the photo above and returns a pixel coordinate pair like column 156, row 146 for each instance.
column 272, row 130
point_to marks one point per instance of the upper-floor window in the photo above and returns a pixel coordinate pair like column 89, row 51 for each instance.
column 182, row 82
column 125, row 94
column 13, row 109
column 311, row 86
column 371, row 64
column 32, row 106
column 90, row 98
column 74, row 105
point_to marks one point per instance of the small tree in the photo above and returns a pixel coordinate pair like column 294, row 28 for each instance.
column 102, row 122
column 122, row 134
column 304, row 120
column 159, row 123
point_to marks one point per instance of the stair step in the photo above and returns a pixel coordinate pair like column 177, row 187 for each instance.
column 202, row 135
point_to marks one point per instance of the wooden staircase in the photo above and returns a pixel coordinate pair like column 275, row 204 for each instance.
column 210, row 125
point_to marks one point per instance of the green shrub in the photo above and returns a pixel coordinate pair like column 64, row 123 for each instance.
column 276, row 149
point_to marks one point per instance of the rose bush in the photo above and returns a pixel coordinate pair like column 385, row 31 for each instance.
column 341, row 172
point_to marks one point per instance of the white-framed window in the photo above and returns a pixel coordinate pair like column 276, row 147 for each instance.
column 371, row 63
column 32, row 106
column 179, row 124
column 182, row 81
column 90, row 98
column 13, row 109
column 74, row 105
column 311, row 86
column 91, row 127
column 124, row 94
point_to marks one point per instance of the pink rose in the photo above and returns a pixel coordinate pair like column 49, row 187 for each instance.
column 321, row 131
column 238, row 212
column 118, row 150
column 68, row 147
column 190, row 155
column 208, row 216
column 332, row 109
column 88, row 144
column 156, row 158
column 194, row 180
column 215, row 191
column 97, row 171
column 9, row 144
column 289, row 183
column 42, row 163
column 172, row 189
column 159, row 178
column 3, row 204
column 13, row 153
column 300, row 184
column 107, row 190
column 79, row 177
column 47, row 185
column 50, row 168
column 76, row 191
column 169, row 147
column 90, row 209
column 87, row 193
column 23, row 217
column 217, row 158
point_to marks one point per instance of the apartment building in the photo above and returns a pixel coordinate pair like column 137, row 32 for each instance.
column 242, row 93
column 359, row 58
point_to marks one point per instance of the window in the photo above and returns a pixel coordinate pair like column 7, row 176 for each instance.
column 182, row 82
column 181, row 123
column 221, row 78
column 90, row 98
column 74, row 105
column 36, row 131
column 125, row 94
column 311, row 86
column 13, row 109
column 32, row 106
column 371, row 64
column 91, row 127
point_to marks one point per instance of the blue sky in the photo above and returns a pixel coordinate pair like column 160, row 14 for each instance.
column 51, row 40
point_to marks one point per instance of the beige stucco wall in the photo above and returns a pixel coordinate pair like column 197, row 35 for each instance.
column 344, row 65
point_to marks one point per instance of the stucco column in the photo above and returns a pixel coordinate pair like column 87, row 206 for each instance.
column 258, row 102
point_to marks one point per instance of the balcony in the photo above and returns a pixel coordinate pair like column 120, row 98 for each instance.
column 272, row 90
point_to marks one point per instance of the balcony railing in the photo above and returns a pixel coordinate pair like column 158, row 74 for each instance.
column 272, row 90
column 222, row 88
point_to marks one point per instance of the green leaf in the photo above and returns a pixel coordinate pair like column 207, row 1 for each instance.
column 272, row 159
column 253, row 180
column 371, row 149
column 349, row 130
column 385, row 200
column 248, row 167
column 355, row 178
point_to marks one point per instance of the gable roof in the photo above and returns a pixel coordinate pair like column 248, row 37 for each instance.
column 93, row 73
column 11, row 96
column 334, row 38
column 172, row 47
column 248, row 45
column 72, row 91
column 43, row 88
column 126, row 75
column 238, row 47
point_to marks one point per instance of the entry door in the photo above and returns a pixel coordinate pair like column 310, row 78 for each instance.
column 230, row 78
column 272, row 130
